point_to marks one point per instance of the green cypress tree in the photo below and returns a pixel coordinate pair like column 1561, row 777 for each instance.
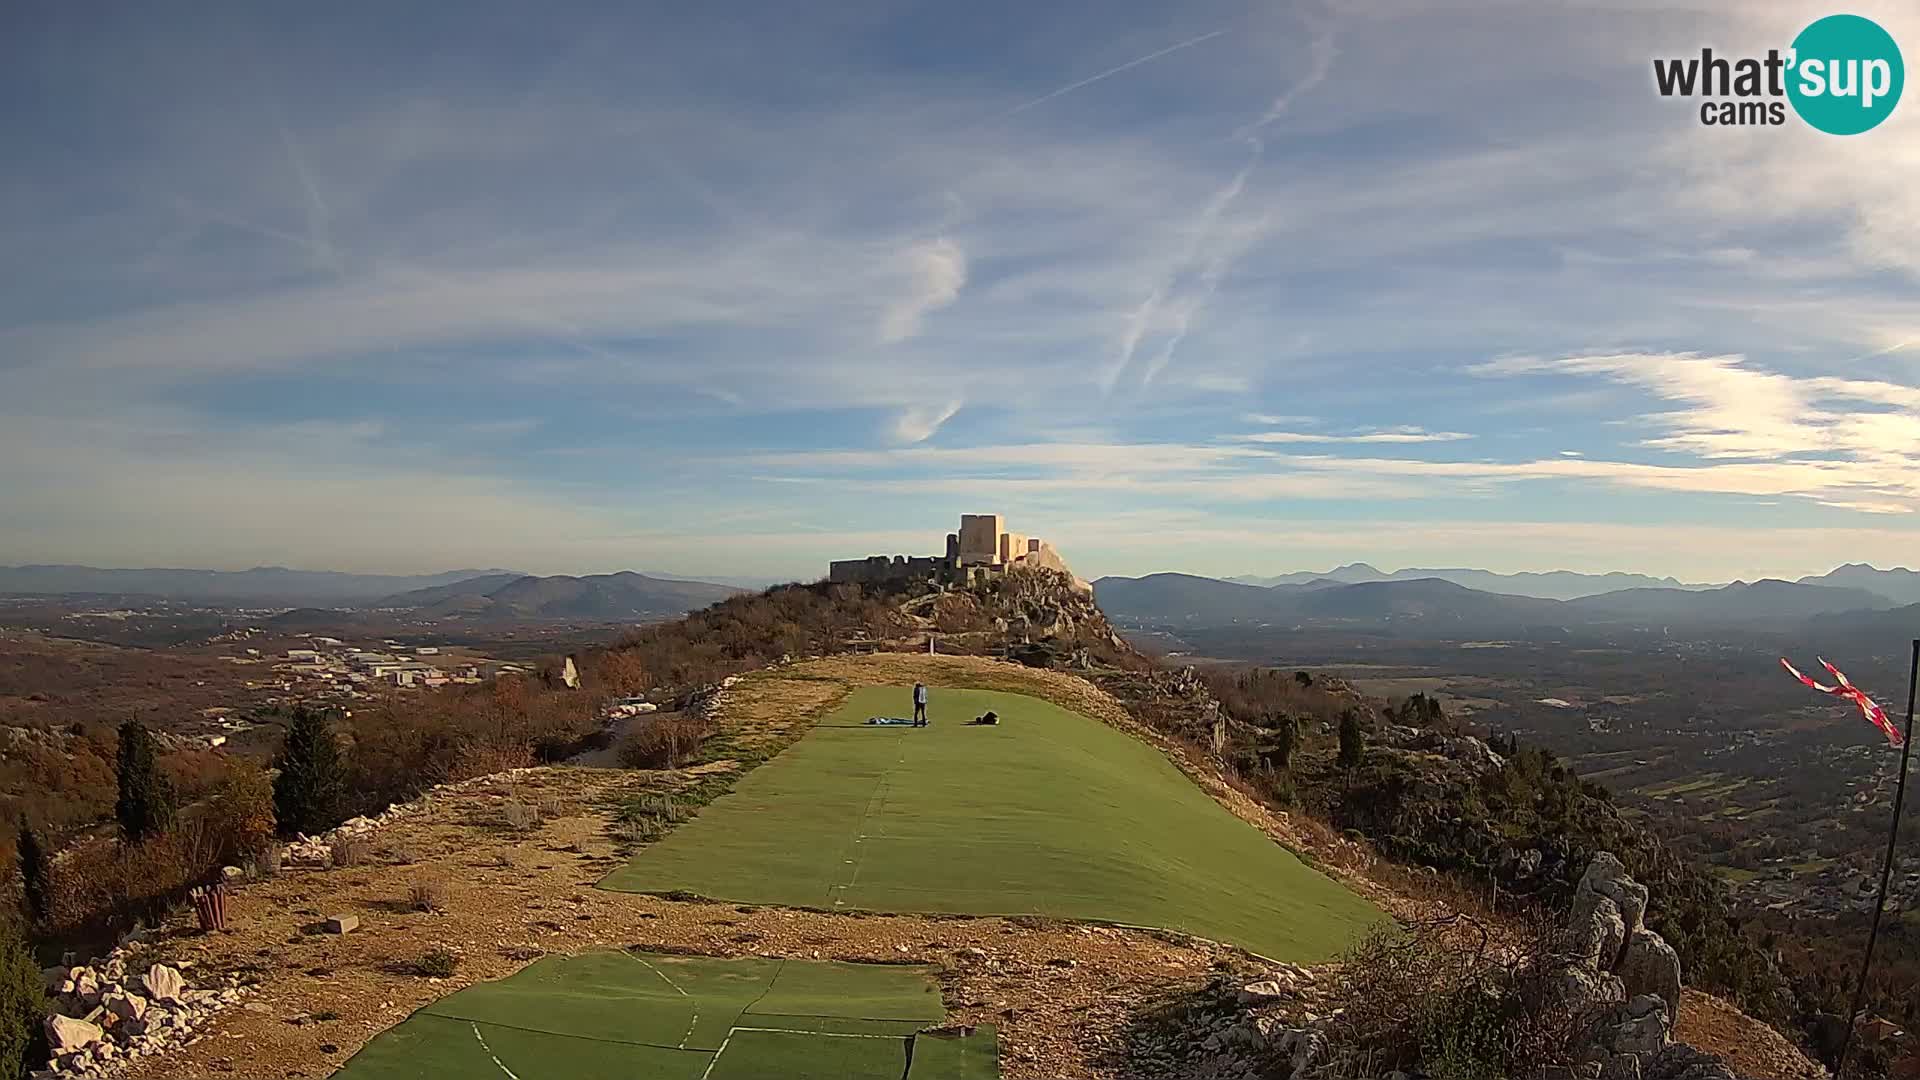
column 145, row 805
column 1353, row 740
column 34, row 881
column 1285, row 736
column 23, row 1001
column 311, row 787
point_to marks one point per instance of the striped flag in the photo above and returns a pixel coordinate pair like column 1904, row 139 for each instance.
column 1873, row 712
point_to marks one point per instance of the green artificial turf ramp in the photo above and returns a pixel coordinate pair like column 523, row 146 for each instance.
column 854, row 991
column 764, row 1055
column 956, row 1057
column 1046, row 813
column 647, row 1016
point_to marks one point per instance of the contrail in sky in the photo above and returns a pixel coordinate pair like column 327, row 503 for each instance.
column 1068, row 89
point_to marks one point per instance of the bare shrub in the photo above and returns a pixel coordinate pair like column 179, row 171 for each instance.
column 666, row 743
column 485, row 759
column 113, row 885
column 519, row 816
column 429, row 894
column 350, row 850
column 1455, row 998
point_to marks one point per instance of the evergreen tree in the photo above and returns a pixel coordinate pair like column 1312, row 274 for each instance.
column 23, row 1001
column 312, row 784
column 145, row 805
column 34, row 882
column 1285, row 737
column 1353, row 740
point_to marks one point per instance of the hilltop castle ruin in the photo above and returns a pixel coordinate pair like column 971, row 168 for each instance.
column 982, row 547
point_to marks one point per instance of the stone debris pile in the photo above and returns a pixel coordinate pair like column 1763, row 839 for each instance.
column 108, row 1016
column 1261, row 1029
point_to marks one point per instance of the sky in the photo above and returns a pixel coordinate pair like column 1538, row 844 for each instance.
column 1220, row 287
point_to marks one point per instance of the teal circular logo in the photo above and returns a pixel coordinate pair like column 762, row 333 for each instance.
column 1845, row 74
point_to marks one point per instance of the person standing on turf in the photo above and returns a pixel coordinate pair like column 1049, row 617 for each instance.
column 919, row 704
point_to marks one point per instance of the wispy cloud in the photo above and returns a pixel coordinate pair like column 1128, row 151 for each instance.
column 1395, row 435
column 917, row 423
column 935, row 273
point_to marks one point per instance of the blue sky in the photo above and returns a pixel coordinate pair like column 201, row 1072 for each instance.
column 738, row 288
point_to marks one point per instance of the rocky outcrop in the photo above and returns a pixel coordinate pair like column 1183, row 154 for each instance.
column 1626, row 979
column 107, row 1016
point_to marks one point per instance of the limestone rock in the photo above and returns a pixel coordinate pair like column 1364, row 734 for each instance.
column 343, row 924
column 1651, row 966
column 1621, row 1067
column 1598, row 931
column 123, row 1006
column 164, row 983
column 1644, row 1036
column 1264, row 992
column 1608, row 876
column 65, row 1035
column 1683, row 1062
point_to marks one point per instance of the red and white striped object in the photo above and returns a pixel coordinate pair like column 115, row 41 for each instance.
column 1846, row 689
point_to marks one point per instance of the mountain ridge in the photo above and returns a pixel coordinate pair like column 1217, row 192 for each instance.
column 625, row 594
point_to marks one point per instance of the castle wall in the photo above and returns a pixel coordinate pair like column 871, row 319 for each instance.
column 980, row 538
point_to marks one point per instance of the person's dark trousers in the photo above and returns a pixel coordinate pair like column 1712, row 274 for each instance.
column 920, row 714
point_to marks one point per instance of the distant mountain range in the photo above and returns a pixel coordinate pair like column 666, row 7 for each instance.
column 1437, row 602
column 625, row 595
column 268, row 586
column 482, row 593
column 1553, row 585
column 1899, row 584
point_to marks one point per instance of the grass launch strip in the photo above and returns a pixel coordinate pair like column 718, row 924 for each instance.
column 1045, row 813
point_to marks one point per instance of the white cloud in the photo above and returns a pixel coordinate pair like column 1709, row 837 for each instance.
column 935, row 273
column 917, row 423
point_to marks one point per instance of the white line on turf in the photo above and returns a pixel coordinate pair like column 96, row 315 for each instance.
column 691, row 1024
column 496, row 1059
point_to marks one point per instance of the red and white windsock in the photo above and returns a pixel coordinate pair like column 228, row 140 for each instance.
column 1873, row 712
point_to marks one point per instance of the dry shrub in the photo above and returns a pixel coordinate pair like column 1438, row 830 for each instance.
column 1454, row 998
column 239, row 816
column 264, row 864
column 485, row 759
column 113, row 885
column 519, row 816
column 621, row 672
column 437, row 963
column 429, row 894
column 351, row 850
column 665, row 743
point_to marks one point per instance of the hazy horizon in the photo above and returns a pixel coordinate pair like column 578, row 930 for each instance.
column 1228, row 288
